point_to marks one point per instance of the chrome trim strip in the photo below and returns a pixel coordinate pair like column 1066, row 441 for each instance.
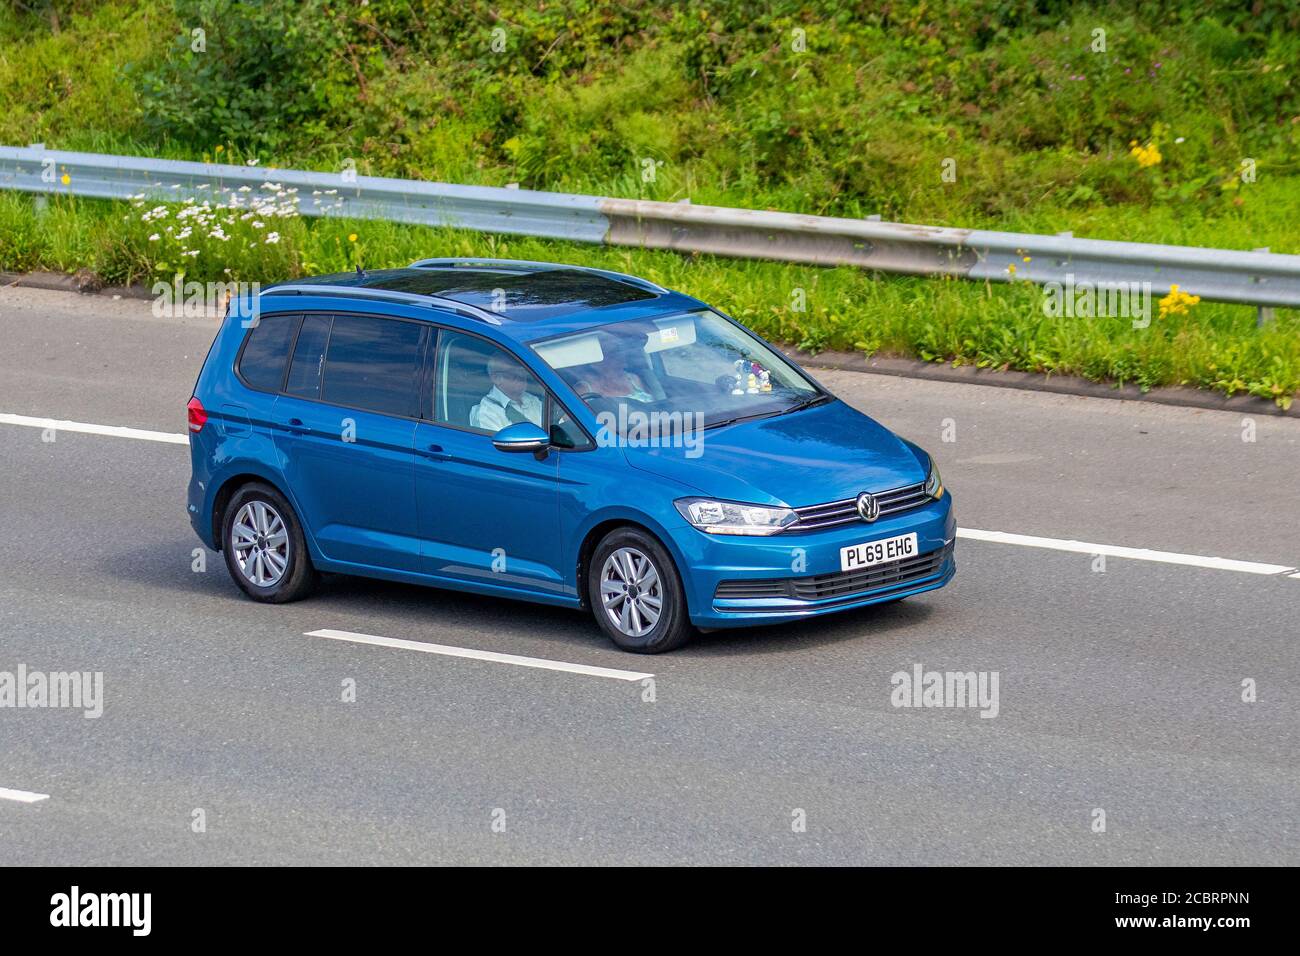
column 835, row 513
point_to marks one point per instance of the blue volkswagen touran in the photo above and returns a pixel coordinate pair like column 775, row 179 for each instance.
column 551, row 433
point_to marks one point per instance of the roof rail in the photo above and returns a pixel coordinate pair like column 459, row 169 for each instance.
column 391, row 295
column 537, row 267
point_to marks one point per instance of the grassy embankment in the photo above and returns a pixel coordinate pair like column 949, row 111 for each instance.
column 727, row 105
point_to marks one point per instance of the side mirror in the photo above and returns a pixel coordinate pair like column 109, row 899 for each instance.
column 522, row 436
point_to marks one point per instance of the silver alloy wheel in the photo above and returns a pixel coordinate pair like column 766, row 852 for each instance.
column 260, row 543
column 631, row 592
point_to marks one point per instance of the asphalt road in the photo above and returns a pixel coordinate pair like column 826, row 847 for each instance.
column 1118, row 690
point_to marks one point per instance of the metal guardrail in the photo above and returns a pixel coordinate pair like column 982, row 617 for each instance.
column 1258, row 278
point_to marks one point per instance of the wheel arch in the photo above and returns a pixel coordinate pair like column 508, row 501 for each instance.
column 599, row 530
column 226, row 491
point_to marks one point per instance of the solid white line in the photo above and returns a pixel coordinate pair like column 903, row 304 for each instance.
column 113, row 431
column 493, row 656
column 1136, row 554
column 995, row 537
column 22, row 796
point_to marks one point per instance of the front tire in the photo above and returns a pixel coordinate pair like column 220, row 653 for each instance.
column 635, row 593
column 264, row 546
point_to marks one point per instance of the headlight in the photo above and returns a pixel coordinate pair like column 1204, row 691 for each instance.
column 933, row 483
column 728, row 517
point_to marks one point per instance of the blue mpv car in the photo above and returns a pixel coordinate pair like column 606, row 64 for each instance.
column 552, row 433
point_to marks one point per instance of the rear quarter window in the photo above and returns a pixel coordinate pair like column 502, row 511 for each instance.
column 266, row 351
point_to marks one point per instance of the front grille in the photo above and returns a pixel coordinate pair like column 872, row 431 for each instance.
column 835, row 513
column 844, row 583
column 732, row 590
column 841, row 584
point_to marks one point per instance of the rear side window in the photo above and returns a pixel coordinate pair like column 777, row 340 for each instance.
column 308, row 357
column 267, row 350
column 374, row 364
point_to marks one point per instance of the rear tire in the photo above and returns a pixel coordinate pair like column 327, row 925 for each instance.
column 635, row 593
column 264, row 547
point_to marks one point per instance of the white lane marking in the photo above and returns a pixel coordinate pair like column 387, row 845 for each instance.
column 995, row 537
column 469, row 652
column 113, row 431
column 1136, row 554
column 22, row 796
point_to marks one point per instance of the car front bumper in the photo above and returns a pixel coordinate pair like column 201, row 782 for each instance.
column 734, row 581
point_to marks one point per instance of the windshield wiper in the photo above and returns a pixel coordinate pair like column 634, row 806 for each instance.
column 806, row 403
column 741, row 418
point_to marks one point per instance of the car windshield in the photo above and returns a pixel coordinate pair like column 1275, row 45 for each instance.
column 695, row 363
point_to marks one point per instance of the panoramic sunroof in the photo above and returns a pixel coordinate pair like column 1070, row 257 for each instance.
column 521, row 296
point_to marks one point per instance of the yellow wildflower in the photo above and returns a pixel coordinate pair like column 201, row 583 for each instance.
column 1147, row 155
column 1177, row 302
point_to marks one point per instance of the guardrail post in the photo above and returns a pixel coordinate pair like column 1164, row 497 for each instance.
column 1263, row 313
column 40, row 202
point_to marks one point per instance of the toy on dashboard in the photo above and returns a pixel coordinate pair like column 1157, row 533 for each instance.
column 751, row 378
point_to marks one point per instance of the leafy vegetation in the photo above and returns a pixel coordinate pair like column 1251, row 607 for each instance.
column 1176, row 123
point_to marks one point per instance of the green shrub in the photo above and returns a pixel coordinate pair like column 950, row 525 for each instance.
column 256, row 73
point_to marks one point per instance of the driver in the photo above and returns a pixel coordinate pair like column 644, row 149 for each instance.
column 509, row 400
column 612, row 376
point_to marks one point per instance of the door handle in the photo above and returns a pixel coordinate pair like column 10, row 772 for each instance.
column 435, row 452
column 295, row 425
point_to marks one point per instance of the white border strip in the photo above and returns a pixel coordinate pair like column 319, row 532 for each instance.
column 1136, row 554
column 22, row 796
column 113, row 431
column 493, row 656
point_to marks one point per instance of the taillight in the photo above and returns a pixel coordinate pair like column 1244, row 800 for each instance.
column 198, row 417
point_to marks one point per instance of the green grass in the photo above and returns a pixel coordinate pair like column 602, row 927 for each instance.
column 727, row 109
column 990, row 325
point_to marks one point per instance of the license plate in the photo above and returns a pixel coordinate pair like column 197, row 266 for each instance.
column 857, row 556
